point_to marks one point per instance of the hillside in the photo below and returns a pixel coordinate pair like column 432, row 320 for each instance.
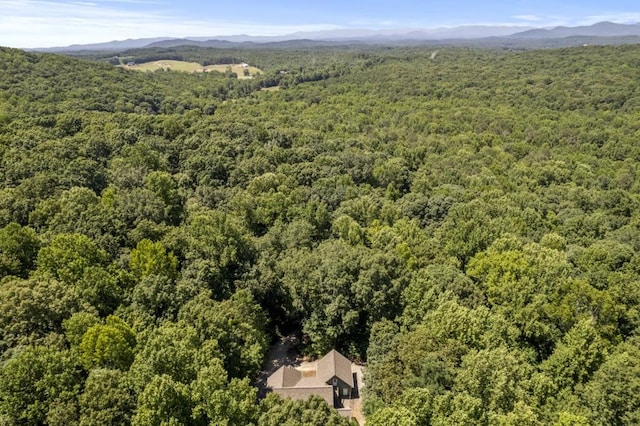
column 466, row 223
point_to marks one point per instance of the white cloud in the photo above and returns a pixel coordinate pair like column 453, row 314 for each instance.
column 371, row 23
column 43, row 23
column 619, row 17
column 531, row 18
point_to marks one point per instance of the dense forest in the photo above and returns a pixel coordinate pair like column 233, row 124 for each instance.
column 466, row 222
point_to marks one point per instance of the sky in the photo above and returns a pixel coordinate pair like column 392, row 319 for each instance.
column 47, row 23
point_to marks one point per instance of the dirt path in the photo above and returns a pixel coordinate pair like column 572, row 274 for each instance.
column 281, row 353
column 356, row 407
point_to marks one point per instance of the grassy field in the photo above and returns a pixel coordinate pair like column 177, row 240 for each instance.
column 193, row 67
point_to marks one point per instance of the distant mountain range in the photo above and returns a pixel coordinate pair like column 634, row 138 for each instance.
column 110, row 45
column 601, row 29
column 610, row 33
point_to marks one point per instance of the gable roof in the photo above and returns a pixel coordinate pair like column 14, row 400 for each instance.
column 301, row 393
column 284, row 377
column 334, row 364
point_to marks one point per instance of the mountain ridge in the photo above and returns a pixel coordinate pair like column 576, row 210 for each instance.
column 600, row 29
column 458, row 34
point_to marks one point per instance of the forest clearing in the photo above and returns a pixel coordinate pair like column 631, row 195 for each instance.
column 240, row 70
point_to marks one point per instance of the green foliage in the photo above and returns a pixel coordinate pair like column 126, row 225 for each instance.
column 164, row 186
column 100, row 288
column 222, row 402
column 569, row 419
column 173, row 350
column 601, row 259
column 107, row 398
column 18, row 249
column 521, row 282
column 74, row 210
column 341, row 290
column 77, row 325
column 577, row 356
column 68, row 255
column 218, row 250
column 149, row 258
column 393, row 417
column 459, row 409
column 313, row 412
column 422, row 293
column 384, row 372
column 611, row 392
column 238, row 327
column 419, row 402
column 467, row 231
column 468, row 226
column 34, row 382
column 155, row 295
column 498, row 377
column 163, row 402
column 31, row 309
column 111, row 345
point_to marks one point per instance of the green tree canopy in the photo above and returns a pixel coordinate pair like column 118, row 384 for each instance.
column 35, row 381
column 111, row 345
column 18, row 249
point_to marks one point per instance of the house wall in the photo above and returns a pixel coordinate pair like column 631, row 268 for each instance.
column 341, row 386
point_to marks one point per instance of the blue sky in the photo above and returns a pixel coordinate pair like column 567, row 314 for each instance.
column 42, row 23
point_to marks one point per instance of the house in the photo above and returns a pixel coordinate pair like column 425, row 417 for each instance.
column 331, row 378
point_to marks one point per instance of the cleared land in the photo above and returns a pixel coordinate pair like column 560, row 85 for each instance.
column 183, row 66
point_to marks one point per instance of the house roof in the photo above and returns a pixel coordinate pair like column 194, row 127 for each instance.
column 334, row 364
column 301, row 393
column 312, row 381
column 284, row 377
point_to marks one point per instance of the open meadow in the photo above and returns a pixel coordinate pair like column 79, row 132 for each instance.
column 184, row 66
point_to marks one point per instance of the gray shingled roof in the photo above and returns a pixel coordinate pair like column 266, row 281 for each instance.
column 302, row 393
column 290, row 382
column 335, row 364
column 284, row 377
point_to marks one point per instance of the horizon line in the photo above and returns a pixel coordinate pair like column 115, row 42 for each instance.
column 521, row 27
